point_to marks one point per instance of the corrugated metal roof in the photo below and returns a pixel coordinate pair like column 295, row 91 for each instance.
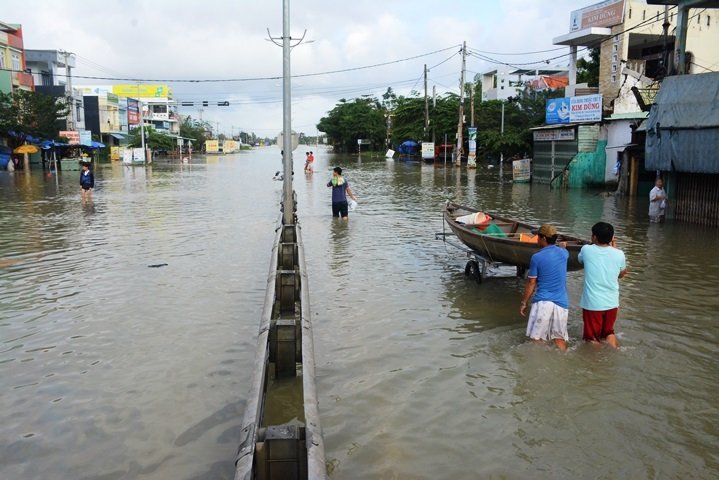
column 683, row 125
column 628, row 116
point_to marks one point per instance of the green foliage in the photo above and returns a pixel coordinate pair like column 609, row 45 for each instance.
column 195, row 129
column 365, row 118
column 153, row 139
column 348, row 121
column 588, row 70
column 29, row 113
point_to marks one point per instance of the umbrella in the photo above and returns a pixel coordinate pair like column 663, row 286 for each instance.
column 26, row 149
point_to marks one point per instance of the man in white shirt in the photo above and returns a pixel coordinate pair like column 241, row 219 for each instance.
column 657, row 202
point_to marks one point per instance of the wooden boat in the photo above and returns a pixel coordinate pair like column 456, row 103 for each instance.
column 504, row 240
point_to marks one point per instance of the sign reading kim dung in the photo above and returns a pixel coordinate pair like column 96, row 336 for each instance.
column 585, row 108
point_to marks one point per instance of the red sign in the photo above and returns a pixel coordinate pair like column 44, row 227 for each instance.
column 133, row 112
column 73, row 137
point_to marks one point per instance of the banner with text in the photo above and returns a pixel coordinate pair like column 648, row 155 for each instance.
column 585, row 108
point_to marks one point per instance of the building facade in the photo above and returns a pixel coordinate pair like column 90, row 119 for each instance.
column 12, row 60
column 51, row 71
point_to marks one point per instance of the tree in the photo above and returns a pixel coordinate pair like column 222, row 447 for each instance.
column 348, row 121
column 153, row 139
column 24, row 113
column 195, row 130
column 588, row 70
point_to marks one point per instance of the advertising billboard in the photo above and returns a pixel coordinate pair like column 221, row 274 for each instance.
column 133, row 112
column 585, row 108
column 73, row 137
column 141, row 91
column 427, row 150
column 604, row 14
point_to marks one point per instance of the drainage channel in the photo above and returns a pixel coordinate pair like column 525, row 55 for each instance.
column 281, row 431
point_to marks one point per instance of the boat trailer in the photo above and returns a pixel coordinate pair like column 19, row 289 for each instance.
column 478, row 267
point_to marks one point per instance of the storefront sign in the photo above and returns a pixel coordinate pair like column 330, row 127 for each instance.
column 85, row 137
column 212, row 146
column 522, row 170
column 472, row 144
column 554, row 134
column 557, row 111
column 427, row 150
column 73, row 137
column 585, row 108
column 133, row 112
column 605, row 14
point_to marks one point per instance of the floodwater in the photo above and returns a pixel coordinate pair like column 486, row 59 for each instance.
column 111, row 369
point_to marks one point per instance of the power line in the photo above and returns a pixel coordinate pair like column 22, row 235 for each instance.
column 252, row 79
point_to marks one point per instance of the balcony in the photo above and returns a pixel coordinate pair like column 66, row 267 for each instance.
column 23, row 79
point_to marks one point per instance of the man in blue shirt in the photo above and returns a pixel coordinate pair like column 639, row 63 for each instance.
column 604, row 265
column 548, row 276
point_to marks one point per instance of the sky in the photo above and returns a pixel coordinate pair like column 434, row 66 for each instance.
column 228, row 40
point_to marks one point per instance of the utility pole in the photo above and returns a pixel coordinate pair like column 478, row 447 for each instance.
column 460, row 123
column 68, row 92
column 288, row 214
column 426, row 104
column 665, row 49
column 142, row 125
column 501, row 154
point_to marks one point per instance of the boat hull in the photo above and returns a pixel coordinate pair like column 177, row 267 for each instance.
column 509, row 249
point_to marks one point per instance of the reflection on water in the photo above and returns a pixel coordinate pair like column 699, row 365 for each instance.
column 112, row 369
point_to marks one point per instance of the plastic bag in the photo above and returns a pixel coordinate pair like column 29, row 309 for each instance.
column 352, row 204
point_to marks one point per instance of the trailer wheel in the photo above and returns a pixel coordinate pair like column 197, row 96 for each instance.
column 472, row 270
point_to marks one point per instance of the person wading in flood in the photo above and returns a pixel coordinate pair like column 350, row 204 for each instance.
column 340, row 190
column 87, row 182
column 604, row 265
column 548, row 275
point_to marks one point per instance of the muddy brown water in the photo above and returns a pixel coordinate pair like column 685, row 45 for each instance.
column 114, row 370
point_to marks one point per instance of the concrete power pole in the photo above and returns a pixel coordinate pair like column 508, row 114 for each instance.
column 460, row 123
column 288, row 213
column 68, row 92
column 426, row 104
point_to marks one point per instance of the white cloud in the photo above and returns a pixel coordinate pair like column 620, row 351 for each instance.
column 217, row 39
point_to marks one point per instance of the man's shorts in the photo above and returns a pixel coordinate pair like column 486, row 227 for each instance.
column 547, row 321
column 340, row 209
column 598, row 324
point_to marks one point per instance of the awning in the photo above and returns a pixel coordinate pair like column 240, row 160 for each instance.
column 583, row 38
column 118, row 136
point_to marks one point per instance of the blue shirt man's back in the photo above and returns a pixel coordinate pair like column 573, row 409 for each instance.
column 549, row 267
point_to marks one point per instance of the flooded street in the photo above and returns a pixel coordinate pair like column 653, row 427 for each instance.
column 111, row 369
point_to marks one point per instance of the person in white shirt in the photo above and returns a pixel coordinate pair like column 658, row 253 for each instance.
column 657, row 202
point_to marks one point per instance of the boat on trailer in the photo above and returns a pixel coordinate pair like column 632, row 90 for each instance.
column 498, row 240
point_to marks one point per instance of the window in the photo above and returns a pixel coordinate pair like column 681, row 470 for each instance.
column 644, row 14
column 614, row 68
column 2, row 59
column 699, row 18
column 614, row 78
column 614, row 58
column 630, row 13
column 15, row 61
column 615, row 48
column 708, row 20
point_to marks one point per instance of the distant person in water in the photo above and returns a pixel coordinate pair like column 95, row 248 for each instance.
column 340, row 190
column 309, row 166
column 87, row 182
column 657, row 202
